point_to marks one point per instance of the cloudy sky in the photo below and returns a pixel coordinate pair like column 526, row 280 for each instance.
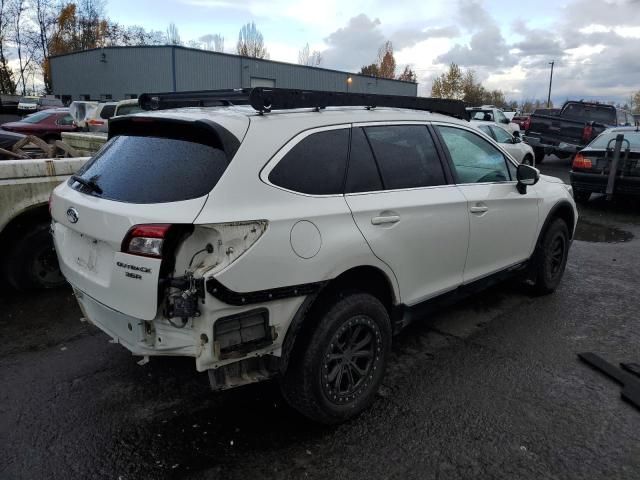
column 595, row 43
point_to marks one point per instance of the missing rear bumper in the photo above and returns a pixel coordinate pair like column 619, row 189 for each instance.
column 237, row 335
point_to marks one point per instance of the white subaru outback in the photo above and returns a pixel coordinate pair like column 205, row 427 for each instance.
column 293, row 242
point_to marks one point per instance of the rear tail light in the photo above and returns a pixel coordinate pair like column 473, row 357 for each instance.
column 230, row 241
column 587, row 132
column 146, row 240
column 95, row 122
column 580, row 161
column 526, row 123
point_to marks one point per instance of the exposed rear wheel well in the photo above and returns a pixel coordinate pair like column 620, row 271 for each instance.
column 365, row 279
column 362, row 279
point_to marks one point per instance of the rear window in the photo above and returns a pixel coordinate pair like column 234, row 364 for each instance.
column 603, row 140
column 37, row 117
column 107, row 111
column 128, row 109
column 315, row 165
column 590, row 113
column 153, row 170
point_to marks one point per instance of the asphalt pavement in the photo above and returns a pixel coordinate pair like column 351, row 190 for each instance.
column 491, row 388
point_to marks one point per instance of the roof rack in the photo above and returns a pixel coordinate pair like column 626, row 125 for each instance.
column 264, row 100
column 198, row 98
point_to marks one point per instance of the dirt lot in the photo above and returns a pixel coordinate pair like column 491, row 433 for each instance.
column 489, row 389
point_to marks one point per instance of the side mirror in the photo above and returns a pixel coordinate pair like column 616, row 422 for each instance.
column 526, row 175
column 516, row 133
column 517, row 139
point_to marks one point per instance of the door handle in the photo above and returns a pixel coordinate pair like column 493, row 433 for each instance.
column 385, row 219
column 479, row 209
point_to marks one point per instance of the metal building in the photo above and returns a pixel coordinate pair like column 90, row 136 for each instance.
column 116, row 73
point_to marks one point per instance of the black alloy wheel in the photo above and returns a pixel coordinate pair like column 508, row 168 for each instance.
column 350, row 359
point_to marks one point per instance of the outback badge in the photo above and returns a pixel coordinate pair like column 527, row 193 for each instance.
column 72, row 215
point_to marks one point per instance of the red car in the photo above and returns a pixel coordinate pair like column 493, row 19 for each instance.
column 47, row 124
column 523, row 120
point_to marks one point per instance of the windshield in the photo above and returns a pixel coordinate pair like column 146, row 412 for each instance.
column 29, row 100
column 603, row 140
column 36, row 117
column 153, row 169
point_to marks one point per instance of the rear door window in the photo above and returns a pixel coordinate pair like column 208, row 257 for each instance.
column 406, row 155
column 138, row 169
column 315, row 165
column 363, row 175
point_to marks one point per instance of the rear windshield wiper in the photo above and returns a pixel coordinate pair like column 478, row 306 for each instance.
column 91, row 185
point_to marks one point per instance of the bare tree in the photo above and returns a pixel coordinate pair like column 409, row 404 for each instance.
column 44, row 18
column 18, row 37
column 7, row 83
column 251, row 42
column 173, row 36
column 214, row 42
column 303, row 55
column 310, row 59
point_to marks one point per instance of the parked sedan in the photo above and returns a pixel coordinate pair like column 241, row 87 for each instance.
column 591, row 166
column 9, row 139
column 519, row 150
column 48, row 124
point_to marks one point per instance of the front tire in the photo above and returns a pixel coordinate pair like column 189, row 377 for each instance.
column 335, row 371
column 551, row 258
column 528, row 160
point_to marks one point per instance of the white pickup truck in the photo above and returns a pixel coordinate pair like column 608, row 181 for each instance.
column 28, row 259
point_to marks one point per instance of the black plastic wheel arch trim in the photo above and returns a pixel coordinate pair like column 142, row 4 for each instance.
column 226, row 295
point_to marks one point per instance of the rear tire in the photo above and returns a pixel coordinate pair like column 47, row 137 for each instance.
column 31, row 260
column 335, row 371
column 551, row 258
column 539, row 155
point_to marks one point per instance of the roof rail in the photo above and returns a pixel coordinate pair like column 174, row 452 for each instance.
column 264, row 100
column 198, row 98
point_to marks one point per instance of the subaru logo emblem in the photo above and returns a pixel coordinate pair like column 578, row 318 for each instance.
column 72, row 215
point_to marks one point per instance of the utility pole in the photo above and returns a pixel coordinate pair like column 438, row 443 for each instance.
column 550, row 80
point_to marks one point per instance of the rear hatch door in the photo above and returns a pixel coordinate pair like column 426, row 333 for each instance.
column 161, row 177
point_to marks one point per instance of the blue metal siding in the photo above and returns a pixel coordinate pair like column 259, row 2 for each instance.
column 119, row 72
column 135, row 70
column 201, row 70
